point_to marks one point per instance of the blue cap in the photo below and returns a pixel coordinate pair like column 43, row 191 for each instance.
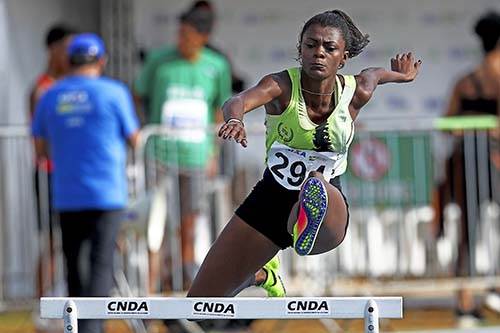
column 86, row 45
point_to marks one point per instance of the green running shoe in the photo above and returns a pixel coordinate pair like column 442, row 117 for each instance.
column 273, row 284
column 313, row 203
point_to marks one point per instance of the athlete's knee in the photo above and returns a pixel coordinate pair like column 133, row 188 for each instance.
column 316, row 174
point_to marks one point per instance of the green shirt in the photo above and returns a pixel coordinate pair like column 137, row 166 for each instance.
column 295, row 145
column 184, row 96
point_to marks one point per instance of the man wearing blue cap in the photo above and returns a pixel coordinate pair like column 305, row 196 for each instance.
column 84, row 123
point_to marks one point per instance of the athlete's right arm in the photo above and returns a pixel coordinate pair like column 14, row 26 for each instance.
column 269, row 88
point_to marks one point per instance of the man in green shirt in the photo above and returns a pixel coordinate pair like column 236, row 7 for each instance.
column 184, row 87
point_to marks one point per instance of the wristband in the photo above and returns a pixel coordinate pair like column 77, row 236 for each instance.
column 235, row 120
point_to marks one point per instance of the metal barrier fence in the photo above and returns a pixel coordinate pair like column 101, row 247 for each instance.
column 18, row 237
column 391, row 178
column 390, row 184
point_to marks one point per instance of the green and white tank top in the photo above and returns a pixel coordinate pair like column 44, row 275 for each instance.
column 295, row 145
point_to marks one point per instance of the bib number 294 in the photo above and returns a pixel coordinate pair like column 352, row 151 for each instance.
column 296, row 171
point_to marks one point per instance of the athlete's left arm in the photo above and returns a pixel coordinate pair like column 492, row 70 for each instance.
column 404, row 68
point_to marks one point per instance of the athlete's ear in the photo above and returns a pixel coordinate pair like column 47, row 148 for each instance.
column 103, row 61
column 204, row 38
column 345, row 56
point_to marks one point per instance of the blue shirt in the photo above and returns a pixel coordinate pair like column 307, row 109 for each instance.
column 86, row 121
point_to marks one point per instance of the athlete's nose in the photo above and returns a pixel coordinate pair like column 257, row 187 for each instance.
column 319, row 52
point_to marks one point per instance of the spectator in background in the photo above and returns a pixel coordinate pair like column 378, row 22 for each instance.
column 476, row 93
column 56, row 42
column 226, row 152
column 184, row 87
column 84, row 122
column 237, row 82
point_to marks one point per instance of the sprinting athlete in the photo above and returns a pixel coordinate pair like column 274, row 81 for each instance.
column 310, row 112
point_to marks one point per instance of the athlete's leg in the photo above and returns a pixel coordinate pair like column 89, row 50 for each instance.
column 233, row 260
column 332, row 222
column 188, row 218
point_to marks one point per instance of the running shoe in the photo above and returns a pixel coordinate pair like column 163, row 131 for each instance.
column 273, row 284
column 313, row 202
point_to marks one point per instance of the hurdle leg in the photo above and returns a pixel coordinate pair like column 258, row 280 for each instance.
column 371, row 317
column 70, row 317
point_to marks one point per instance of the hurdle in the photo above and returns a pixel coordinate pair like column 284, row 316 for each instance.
column 198, row 308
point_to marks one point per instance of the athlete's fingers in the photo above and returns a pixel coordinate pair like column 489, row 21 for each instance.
column 240, row 135
column 410, row 57
column 244, row 143
column 394, row 63
column 227, row 131
column 222, row 129
column 233, row 132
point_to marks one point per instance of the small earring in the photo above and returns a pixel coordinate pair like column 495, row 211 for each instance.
column 341, row 66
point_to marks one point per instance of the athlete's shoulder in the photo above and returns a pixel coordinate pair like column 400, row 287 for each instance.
column 56, row 86
column 161, row 54
column 215, row 58
column 44, row 81
column 466, row 82
column 349, row 80
column 110, row 85
column 292, row 70
column 212, row 54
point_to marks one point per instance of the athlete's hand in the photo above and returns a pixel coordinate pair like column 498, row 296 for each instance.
column 405, row 64
column 234, row 129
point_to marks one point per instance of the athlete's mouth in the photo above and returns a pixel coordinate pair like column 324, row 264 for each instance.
column 317, row 65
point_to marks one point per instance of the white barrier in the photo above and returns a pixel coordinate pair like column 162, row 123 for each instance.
column 369, row 308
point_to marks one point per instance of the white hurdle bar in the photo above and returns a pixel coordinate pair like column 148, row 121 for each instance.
column 369, row 308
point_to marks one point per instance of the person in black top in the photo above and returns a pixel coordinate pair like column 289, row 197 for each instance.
column 476, row 93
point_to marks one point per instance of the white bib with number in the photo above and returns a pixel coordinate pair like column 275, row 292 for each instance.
column 189, row 117
column 290, row 167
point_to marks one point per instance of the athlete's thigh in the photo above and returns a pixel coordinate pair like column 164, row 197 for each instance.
column 238, row 253
column 333, row 229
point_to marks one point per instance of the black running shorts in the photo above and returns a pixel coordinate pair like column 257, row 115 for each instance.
column 268, row 206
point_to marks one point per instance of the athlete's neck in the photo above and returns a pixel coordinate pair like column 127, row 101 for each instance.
column 87, row 70
column 492, row 61
column 54, row 71
column 323, row 88
column 192, row 57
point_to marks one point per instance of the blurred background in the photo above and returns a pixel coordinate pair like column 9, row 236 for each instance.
column 400, row 241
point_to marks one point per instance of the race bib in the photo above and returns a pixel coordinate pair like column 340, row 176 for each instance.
column 290, row 167
column 188, row 117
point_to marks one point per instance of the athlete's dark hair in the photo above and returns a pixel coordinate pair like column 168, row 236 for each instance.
column 488, row 29
column 201, row 18
column 205, row 4
column 355, row 40
column 57, row 33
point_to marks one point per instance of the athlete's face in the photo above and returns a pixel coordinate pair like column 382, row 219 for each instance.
column 190, row 41
column 322, row 51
